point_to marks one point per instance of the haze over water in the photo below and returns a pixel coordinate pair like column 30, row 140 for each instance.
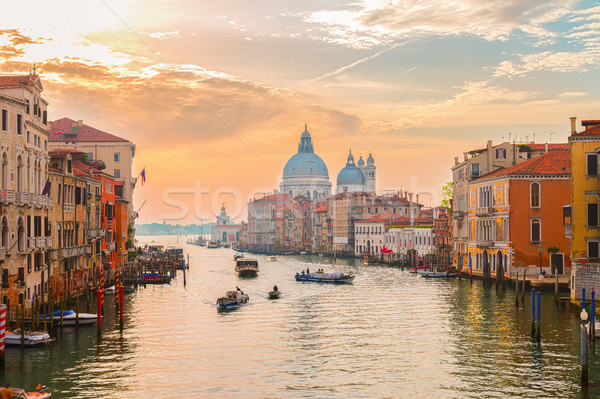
column 390, row 334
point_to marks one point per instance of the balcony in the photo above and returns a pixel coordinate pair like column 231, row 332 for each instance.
column 484, row 243
column 98, row 197
column 484, row 211
column 458, row 215
column 89, row 196
column 7, row 197
column 32, row 242
column 20, row 284
column 40, row 242
column 111, row 246
column 69, row 207
column 23, row 198
column 568, row 230
column 49, row 242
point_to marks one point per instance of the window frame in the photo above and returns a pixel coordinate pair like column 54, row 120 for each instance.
column 587, row 164
column 531, row 223
column 539, row 195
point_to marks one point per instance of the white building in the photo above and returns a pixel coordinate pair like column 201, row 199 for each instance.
column 403, row 238
column 369, row 234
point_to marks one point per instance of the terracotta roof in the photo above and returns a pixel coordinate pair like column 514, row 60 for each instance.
column 83, row 133
column 553, row 163
column 383, row 218
column 274, row 197
column 551, row 146
column 17, row 80
column 590, row 122
column 592, row 130
column 322, row 206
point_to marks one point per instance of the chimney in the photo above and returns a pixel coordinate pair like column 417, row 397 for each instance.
column 79, row 122
column 573, row 124
column 455, row 160
column 465, row 156
column 546, row 147
column 417, row 198
column 489, row 156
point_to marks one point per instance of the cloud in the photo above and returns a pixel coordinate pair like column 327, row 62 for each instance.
column 373, row 23
column 13, row 43
column 164, row 35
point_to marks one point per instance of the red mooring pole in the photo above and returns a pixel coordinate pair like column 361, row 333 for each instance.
column 121, row 307
column 2, row 333
column 99, row 312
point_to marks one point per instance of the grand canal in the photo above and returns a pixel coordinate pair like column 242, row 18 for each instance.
column 390, row 334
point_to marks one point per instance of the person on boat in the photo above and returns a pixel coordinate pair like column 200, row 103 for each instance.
column 303, row 272
column 307, row 271
column 6, row 392
column 275, row 288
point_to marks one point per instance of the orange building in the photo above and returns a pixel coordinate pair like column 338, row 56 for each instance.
column 515, row 217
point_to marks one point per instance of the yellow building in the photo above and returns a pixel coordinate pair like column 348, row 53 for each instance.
column 581, row 218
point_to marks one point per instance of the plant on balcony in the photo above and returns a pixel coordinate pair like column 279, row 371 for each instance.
column 553, row 250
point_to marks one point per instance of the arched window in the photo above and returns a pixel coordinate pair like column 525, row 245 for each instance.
column 536, row 231
column 4, row 233
column 315, row 195
column 4, row 176
column 21, row 236
column 19, row 174
column 535, row 195
column 592, row 211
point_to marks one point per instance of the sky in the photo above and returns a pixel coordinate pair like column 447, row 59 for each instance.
column 215, row 95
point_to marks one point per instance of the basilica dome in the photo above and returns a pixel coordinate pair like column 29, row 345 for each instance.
column 305, row 164
column 350, row 175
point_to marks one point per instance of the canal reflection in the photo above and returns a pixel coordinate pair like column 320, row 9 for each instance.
column 389, row 334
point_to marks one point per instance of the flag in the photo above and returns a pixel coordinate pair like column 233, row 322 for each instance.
column 143, row 174
column 46, row 189
column 385, row 250
column 59, row 132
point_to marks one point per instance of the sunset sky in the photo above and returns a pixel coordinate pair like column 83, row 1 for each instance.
column 219, row 92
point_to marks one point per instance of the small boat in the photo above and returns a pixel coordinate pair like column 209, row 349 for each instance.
column 245, row 267
column 332, row 278
column 303, row 253
column 272, row 258
column 70, row 318
column 322, row 254
column 211, row 244
column 30, row 338
column 232, row 299
column 274, row 294
column 434, row 274
column 39, row 394
column 237, row 256
column 110, row 290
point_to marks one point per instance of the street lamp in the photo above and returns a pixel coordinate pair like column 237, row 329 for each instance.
column 541, row 251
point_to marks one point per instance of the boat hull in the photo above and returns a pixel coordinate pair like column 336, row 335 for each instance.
column 246, row 272
column 228, row 303
column 437, row 275
column 274, row 294
column 31, row 338
column 341, row 280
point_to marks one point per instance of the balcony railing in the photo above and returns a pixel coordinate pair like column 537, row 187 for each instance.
column 459, row 215
column 32, row 242
column 40, row 242
column 49, row 242
column 23, row 198
column 111, row 246
column 9, row 196
column 484, row 210
column 484, row 243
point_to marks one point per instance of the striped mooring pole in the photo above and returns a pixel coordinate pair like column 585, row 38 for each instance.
column 101, row 290
column 2, row 333
column 117, row 291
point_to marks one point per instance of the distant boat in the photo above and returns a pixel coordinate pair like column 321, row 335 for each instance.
column 246, row 267
column 211, row 244
column 271, row 258
column 40, row 394
column 331, row 278
column 237, row 256
column 30, row 338
column 434, row 274
column 232, row 299
column 70, row 318
column 274, row 294
column 110, row 290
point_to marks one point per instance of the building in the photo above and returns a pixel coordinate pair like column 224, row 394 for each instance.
column 319, row 224
column 224, row 231
column 369, row 234
column 514, row 214
column 478, row 163
column 115, row 152
column 305, row 173
column 442, row 235
column 24, row 199
column 261, row 220
column 581, row 218
column 417, row 237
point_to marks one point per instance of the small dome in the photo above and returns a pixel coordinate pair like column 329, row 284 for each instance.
column 370, row 160
column 350, row 175
column 305, row 133
column 360, row 162
column 305, row 164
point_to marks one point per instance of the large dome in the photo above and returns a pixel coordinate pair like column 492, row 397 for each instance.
column 305, row 164
column 350, row 175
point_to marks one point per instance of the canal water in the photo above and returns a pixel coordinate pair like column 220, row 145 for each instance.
column 390, row 334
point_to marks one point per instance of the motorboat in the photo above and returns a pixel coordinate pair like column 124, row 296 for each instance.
column 232, row 299
column 211, row 244
column 39, row 394
column 320, row 277
column 70, row 318
column 110, row 290
column 30, row 338
column 237, row 256
column 272, row 258
column 245, row 267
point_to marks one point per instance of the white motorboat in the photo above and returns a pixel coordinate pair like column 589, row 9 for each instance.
column 70, row 318
column 30, row 338
column 272, row 258
column 109, row 290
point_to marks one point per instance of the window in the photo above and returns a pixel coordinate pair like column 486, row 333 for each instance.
column 501, row 153
column 59, row 192
column 117, row 156
column 536, row 231
column 45, row 118
column 69, row 166
column 117, row 173
column 4, row 120
column 475, row 169
column 535, row 195
column 592, row 249
column 28, row 137
column 592, row 164
column 19, row 124
column 27, row 109
column 592, row 211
